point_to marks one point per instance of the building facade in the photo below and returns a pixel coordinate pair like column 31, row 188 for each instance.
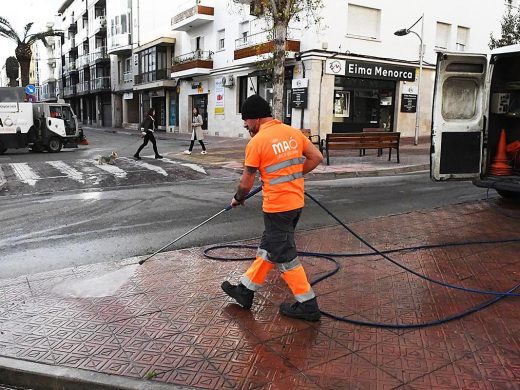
column 350, row 72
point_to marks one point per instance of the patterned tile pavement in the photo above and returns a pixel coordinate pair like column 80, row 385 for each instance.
column 171, row 323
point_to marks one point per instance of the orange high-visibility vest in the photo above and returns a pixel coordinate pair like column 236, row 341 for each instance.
column 277, row 151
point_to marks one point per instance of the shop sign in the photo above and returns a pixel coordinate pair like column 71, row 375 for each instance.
column 300, row 83
column 369, row 70
column 408, row 102
column 128, row 95
column 219, row 96
column 299, row 98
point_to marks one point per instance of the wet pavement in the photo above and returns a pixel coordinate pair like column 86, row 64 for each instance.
column 169, row 322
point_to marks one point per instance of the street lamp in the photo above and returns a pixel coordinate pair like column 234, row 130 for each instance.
column 406, row 31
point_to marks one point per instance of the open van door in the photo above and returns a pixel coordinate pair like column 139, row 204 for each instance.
column 459, row 116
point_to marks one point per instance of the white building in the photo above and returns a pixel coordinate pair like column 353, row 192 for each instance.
column 173, row 56
column 49, row 67
column 216, row 61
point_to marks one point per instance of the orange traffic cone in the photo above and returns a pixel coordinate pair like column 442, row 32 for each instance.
column 500, row 167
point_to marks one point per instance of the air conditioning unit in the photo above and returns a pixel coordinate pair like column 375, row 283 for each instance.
column 228, row 81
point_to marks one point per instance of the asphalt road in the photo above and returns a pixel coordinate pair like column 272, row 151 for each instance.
column 59, row 222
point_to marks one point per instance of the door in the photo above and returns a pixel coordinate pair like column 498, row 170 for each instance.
column 201, row 102
column 459, row 111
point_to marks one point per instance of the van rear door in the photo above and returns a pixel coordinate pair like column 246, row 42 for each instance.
column 459, row 111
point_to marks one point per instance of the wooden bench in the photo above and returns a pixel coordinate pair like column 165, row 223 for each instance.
column 382, row 140
column 314, row 138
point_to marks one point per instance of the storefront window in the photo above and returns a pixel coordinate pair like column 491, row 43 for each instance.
column 341, row 104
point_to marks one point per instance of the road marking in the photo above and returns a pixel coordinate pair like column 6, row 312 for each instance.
column 146, row 165
column 67, row 170
column 112, row 169
column 195, row 167
column 25, row 173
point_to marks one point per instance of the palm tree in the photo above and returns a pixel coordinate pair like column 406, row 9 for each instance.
column 23, row 51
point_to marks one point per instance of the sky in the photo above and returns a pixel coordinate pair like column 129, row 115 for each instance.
column 21, row 12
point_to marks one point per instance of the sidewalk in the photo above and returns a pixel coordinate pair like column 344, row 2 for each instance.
column 229, row 153
column 168, row 323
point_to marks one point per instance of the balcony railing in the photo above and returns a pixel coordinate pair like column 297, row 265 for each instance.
column 82, row 61
column 148, row 77
column 263, row 42
column 69, row 67
column 194, row 16
column 68, row 45
column 100, row 84
column 99, row 54
column 119, row 42
column 69, row 90
column 194, row 59
column 99, row 23
column 83, row 87
column 48, row 95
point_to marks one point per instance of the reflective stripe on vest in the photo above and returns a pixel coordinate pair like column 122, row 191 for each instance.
column 287, row 178
column 284, row 164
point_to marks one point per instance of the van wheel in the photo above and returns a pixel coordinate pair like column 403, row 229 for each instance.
column 509, row 194
column 37, row 148
column 55, row 145
column 2, row 148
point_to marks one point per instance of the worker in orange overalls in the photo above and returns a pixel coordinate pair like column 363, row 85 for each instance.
column 283, row 155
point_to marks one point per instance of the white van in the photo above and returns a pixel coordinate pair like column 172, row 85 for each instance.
column 476, row 96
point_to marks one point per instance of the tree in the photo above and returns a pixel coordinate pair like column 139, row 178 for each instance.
column 510, row 30
column 23, row 51
column 278, row 14
column 11, row 70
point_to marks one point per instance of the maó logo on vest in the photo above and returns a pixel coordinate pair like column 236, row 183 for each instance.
column 284, row 146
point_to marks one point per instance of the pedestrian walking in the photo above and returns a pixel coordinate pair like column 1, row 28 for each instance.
column 148, row 126
column 283, row 155
column 196, row 131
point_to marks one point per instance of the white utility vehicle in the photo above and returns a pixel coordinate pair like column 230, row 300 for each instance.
column 39, row 126
column 476, row 96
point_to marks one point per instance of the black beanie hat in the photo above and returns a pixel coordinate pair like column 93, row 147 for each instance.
column 255, row 107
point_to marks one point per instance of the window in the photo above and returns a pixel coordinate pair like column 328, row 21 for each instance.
column 244, row 31
column 462, row 38
column 124, row 29
column 363, row 22
column 221, row 41
column 442, row 38
column 459, row 98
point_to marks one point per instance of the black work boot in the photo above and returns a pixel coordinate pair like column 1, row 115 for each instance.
column 307, row 310
column 240, row 293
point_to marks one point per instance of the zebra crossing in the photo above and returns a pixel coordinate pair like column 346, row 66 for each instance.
column 49, row 176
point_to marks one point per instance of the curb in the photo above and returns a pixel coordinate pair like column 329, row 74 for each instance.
column 26, row 374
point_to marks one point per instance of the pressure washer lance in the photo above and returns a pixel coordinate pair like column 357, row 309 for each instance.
column 249, row 195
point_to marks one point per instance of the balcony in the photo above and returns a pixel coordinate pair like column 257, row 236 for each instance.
column 48, row 95
column 120, row 44
column 69, row 91
column 195, row 16
column 99, row 25
column 99, row 55
column 70, row 67
column 195, row 63
column 263, row 43
column 69, row 45
column 83, row 87
column 81, row 36
column 100, row 84
column 82, row 61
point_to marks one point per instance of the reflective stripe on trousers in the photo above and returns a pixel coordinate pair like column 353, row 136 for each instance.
column 295, row 277
column 255, row 276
